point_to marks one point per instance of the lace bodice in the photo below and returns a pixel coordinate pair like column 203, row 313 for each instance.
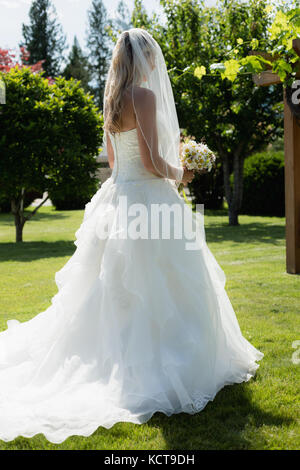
column 128, row 165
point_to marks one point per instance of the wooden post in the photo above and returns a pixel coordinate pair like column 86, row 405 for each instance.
column 292, row 165
column 292, row 190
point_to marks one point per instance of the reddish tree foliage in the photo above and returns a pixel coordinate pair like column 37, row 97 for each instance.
column 8, row 61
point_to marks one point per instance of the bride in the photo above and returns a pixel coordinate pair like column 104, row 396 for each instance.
column 141, row 321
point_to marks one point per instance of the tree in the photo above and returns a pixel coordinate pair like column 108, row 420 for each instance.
column 78, row 135
column 8, row 60
column 44, row 38
column 235, row 117
column 139, row 16
column 78, row 66
column 122, row 21
column 275, row 59
column 99, row 45
column 49, row 134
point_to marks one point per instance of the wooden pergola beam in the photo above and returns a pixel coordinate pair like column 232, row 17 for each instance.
column 266, row 78
column 296, row 46
column 265, row 55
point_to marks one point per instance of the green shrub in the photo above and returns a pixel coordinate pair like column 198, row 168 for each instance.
column 208, row 189
column 263, row 192
column 5, row 205
column 73, row 197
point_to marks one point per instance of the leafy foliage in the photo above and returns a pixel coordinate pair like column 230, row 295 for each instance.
column 77, row 135
column 8, row 60
column 50, row 137
column 78, row 66
column 24, row 143
column 122, row 19
column 43, row 37
column 235, row 116
column 140, row 17
column 208, row 189
column 29, row 197
column 283, row 25
column 264, row 184
column 99, row 44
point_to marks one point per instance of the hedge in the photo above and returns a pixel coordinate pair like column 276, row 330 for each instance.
column 263, row 192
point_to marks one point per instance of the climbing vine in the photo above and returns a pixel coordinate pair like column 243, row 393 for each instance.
column 275, row 53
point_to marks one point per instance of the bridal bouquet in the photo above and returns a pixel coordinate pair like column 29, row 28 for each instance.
column 196, row 156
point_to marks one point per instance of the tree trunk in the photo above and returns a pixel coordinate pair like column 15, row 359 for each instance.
column 226, row 176
column 234, row 197
column 237, row 196
column 19, row 228
column 233, row 216
column 17, row 208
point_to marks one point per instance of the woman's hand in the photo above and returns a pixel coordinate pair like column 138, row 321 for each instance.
column 188, row 176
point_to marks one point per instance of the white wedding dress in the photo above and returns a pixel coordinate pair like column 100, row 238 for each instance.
column 137, row 326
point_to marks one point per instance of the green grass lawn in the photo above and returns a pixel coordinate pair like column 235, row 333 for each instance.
column 260, row 414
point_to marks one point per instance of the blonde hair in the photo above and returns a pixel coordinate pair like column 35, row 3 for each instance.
column 120, row 77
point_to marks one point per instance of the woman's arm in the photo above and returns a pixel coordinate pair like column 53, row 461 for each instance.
column 153, row 162
column 110, row 151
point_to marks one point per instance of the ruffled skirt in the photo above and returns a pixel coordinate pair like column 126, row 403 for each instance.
column 137, row 326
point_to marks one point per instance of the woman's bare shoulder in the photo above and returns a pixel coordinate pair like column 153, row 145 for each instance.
column 143, row 95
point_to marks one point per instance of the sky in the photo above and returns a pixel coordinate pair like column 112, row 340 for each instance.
column 72, row 15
